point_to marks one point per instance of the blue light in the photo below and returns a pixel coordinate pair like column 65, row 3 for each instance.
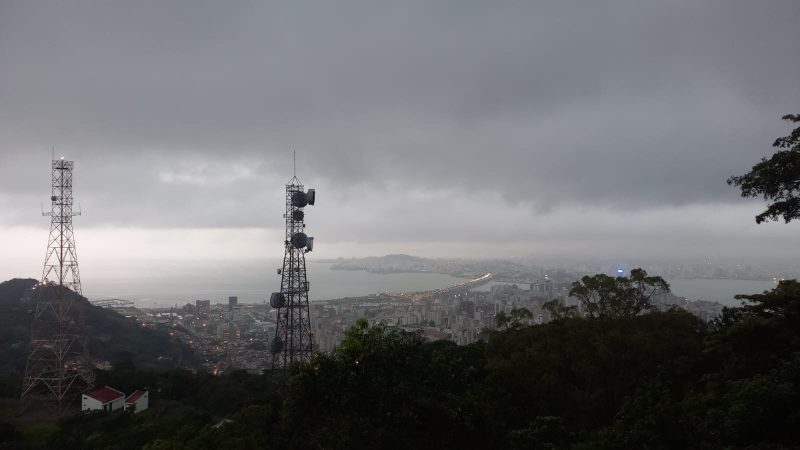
column 620, row 271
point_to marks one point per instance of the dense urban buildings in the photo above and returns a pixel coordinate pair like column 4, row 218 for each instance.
column 231, row 336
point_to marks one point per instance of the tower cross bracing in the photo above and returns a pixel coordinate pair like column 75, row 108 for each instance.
column 58, row 368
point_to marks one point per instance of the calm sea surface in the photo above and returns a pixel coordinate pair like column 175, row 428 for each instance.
column 718, row 290
column 252, row 283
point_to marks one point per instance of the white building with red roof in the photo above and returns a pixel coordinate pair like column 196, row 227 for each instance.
column 103, row 399
column 137, row 402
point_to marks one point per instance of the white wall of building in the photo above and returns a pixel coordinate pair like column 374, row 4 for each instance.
column 91, row 404
column 141, row 403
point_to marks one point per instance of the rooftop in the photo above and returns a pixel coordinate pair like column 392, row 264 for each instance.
column 105, row 394
column 135, row 396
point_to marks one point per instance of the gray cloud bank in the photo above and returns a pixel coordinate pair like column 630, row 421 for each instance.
column 184, row 113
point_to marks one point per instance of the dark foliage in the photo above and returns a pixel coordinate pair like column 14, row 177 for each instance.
column 514, row 319
column 658, row 380
column 776, row 179
column 603, row 296
column 112, row 337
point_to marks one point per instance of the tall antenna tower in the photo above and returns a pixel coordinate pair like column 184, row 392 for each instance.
column 58, row 368
column 293, row 341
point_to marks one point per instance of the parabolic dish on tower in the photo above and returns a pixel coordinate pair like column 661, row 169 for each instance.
column 299, row 240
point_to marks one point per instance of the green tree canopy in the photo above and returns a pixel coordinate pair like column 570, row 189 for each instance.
column 662, row 380
column 604, row 296
column 558, row 311
column 514, row 319
column 777, row 179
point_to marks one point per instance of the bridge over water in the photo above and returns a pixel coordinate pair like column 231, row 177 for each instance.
column 462, row 287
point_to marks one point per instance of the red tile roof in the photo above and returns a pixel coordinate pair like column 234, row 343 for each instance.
column 105, row 394
column 135, row 396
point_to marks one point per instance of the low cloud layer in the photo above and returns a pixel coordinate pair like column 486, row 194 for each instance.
column 454, row 127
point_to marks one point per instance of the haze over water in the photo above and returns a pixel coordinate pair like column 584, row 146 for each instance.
column 253, row 281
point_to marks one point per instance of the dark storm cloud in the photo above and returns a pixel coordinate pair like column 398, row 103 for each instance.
column 181, row 113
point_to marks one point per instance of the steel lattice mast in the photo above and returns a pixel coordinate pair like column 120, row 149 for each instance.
column 58, row 368
column 294, row 337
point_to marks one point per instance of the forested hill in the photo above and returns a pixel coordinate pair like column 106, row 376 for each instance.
column 14, row 332
column 661, row 380
column 12, row 291
column 112, row 337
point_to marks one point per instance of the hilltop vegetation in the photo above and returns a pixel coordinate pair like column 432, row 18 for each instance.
column 112, row 337
column 657, row 380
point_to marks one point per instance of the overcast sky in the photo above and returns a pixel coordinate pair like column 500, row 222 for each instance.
column 552, row 129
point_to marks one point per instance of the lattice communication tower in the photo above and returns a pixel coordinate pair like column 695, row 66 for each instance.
column 294, row 337
column 58, row 369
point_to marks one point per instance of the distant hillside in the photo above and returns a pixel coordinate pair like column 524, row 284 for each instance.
column 14, row 327
column 507, row 270
column 385, row 264
column 112, row 337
